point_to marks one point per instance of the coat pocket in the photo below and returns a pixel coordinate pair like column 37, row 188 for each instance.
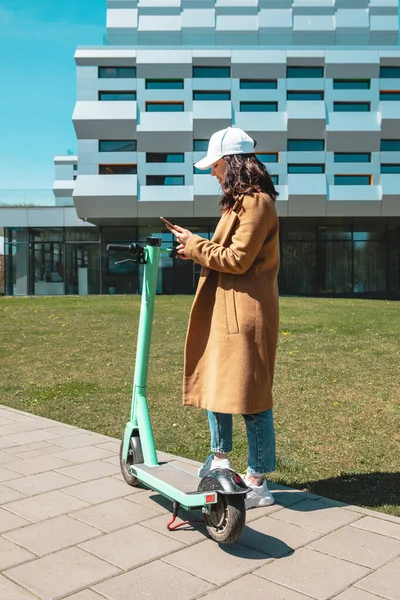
column 231, row 312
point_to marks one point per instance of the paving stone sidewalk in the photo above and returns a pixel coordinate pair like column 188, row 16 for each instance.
column 70, row 527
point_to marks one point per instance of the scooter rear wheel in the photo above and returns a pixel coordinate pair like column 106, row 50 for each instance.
column 135, row 456
column 227, row 518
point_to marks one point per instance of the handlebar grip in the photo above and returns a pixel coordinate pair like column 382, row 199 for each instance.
column 123, row 247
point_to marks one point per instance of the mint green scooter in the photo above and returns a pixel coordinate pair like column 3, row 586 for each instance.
column 220, row 494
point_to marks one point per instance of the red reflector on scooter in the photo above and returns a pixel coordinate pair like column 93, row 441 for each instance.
column 210, row 498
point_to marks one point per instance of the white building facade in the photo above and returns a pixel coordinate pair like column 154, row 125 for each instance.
column 315, row 82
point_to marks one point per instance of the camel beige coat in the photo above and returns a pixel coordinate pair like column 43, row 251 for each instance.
column 233, row 325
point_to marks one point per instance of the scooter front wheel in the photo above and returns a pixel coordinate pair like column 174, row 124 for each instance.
column 135, row 456
column 227, row 518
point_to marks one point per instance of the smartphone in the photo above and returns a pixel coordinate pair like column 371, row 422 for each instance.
column 167, row 223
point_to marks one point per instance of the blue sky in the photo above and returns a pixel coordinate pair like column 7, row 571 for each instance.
column 38, row 39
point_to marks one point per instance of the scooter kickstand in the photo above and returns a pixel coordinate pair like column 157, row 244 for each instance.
column 175, row 508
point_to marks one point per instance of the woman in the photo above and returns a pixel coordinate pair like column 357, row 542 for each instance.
column 233, row 326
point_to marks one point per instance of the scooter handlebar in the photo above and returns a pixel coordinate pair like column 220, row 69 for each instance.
column 132, row 248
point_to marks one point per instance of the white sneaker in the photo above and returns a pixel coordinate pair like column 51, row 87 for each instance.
column 259, row 495
column 214, row 463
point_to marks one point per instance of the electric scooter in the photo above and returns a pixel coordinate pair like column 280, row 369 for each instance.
column 221, row 493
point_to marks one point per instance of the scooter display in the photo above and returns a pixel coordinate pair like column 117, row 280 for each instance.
column 221, row 493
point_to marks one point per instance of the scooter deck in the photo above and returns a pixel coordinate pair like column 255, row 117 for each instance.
column 171, row 475
column 174, row 483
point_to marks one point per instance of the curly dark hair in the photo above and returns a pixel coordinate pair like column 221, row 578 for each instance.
column 244, row 174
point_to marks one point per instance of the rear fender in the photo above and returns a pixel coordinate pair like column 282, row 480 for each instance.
column 225, row 481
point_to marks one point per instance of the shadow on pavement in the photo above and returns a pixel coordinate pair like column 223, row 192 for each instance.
column 366, row 489
column 260, row 542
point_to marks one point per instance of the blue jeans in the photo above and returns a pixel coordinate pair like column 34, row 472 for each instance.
column 260, row 439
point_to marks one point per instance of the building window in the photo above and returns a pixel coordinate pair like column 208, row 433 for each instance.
column 389, row 95
column 117, row 72
column 275, row 179
column 75, row 176
column 203, row 95
column 201, row 171
column 390, row 145
column 164, row 107
column 107, row 96
column 351, row 84
column 117, row 145
column 334, row 232
column 211, row 72
column 258, row 84
column 301, row 95
column 200, row 145
column 306, row 145
column 351, row 106
column 305, row 168
column 117, row 169
column 389, row 73
column 353, row 179
column 268, row 157
column 304, row 72
column 75, row 167
column 390, row 168
column 165, row 180
column 162, row 157
column 355, row 157
column 164, row 84
column 259, row 107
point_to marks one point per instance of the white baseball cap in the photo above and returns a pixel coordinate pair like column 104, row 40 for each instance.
column 231, row 140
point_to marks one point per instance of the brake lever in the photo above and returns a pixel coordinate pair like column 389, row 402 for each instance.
column 119, row 262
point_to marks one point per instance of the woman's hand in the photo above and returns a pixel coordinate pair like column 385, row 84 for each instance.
column 180, row 250
column 182, row 235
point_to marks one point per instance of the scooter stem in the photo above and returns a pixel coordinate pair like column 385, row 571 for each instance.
column 140, row 412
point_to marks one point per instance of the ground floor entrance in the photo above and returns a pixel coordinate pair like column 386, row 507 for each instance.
column 319, row 256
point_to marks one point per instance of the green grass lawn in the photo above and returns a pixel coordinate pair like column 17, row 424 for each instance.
column 337, row 386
